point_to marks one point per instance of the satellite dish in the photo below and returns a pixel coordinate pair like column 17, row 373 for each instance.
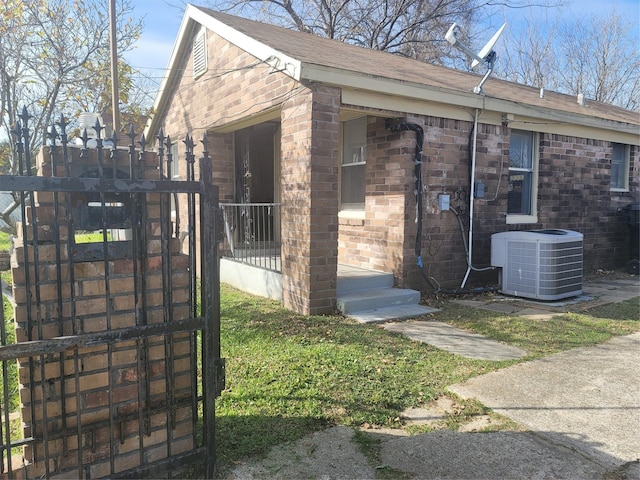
column 488, row 48
column 485, row 56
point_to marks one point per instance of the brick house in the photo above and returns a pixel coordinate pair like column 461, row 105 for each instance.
column 319, row 137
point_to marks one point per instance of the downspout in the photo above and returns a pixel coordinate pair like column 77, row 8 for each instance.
column 471, row 198
column 419, row 184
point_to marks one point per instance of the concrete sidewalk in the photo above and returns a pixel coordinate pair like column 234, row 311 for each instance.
column 455, row 340
column 579, row 409
column 586, row 399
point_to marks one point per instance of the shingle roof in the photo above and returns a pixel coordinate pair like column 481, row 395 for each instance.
column 392, row 76
column 313, row 50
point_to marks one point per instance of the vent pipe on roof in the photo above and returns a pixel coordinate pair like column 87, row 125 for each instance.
column 581, row 99
column 542, row 92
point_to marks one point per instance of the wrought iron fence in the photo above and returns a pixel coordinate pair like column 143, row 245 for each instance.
column 252, row 234
column 117, row 367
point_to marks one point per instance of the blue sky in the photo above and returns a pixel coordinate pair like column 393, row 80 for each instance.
column 161, row 25
column 162, row 22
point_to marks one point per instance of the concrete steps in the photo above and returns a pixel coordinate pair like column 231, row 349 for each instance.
column 369, row 296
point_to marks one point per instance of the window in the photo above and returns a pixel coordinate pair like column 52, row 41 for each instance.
column 200, row 53
column 174, row 174
column 620, row 167
column 354, row 145
column 523, row 152
column 175, row 161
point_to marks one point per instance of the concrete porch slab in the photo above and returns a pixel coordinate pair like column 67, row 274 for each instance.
column 399, row 312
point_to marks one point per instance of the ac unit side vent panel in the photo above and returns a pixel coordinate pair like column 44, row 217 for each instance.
column 539, row 265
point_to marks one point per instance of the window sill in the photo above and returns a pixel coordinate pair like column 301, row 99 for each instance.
column 515, row 219
column 354, row 218
column 619, row 190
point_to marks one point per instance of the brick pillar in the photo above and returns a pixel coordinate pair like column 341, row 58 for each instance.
column 310, row 126
column 107, row 389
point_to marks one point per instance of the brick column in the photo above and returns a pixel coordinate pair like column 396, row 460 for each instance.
column 310, row 126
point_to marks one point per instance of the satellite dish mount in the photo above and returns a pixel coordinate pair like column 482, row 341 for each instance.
column 486, row 56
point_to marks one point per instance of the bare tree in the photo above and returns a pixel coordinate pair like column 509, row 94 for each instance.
column 413, row 28
column 603, row 60
column 54, row 55
column 52, row 52
column 596, row 56
column 529, row 57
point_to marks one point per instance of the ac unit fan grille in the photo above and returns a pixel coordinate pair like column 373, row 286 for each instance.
column 521, row 271
column 546, row 270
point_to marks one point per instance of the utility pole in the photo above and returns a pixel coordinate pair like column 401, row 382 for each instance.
column 115, row 96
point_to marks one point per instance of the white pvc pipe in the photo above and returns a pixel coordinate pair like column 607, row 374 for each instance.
column 472, row 194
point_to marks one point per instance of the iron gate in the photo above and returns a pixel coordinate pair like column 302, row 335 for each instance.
column 116, row 353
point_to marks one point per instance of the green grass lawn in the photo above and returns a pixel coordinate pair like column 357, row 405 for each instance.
column 543, row 337
column 289, row 375
column 9, row 336
column 5, row 242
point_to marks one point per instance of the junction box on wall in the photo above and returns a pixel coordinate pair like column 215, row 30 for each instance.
column 444, row 201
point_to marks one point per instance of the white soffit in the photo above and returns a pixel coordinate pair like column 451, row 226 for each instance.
column 405, row 104
column 385, row 86
column 526, row 117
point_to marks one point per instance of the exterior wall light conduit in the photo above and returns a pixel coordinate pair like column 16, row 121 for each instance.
column 419, row 184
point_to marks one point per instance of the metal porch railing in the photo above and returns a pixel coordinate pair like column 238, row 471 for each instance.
column 252, row 234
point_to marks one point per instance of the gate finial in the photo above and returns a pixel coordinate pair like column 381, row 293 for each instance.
column 62, row 123
column 84, row 138
column 131, row 134
column 52, row 133
column 142, row 142
column 160, row 137
column 188, row 141
column 25, row 117
column 204, row 142
column 98, row 128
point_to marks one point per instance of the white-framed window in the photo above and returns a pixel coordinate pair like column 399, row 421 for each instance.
column 352, row 171
column 620, row 158
column 174, row 174
column 200, row 53
column 523, row 177
column 175, row 161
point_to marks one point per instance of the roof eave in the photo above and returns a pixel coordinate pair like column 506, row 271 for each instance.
column 351, row 79
column 461, row 99
column 278, row 60
column 560, row 116
column 193, row 16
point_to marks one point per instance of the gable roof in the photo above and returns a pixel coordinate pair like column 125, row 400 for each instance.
column 307, row 57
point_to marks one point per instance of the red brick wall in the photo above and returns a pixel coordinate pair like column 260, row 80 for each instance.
column 376, row 241
column 310, row 200
column 573, row 193
column 573, row 182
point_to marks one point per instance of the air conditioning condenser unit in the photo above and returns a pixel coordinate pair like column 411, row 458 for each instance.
column 539, row 264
